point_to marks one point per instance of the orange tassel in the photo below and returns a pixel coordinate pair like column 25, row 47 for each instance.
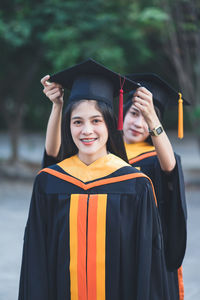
column 180, row 116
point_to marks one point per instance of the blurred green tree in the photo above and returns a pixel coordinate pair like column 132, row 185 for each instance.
column 22, row 51
column 57, row 34
column 181, row 43
column 127, row 36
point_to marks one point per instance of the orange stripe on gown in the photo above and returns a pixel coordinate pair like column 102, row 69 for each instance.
column 88, row 283
column 141, row 157
column 77, row 227
column 92, row 184
column 92, row 247
column 101, row 247
column 180, row 283
column 96, row 247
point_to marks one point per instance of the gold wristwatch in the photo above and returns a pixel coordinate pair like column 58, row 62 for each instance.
column 156, row 131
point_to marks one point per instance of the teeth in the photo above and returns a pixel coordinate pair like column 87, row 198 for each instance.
column 88, row 140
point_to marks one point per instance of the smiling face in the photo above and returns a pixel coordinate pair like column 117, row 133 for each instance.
column 89, row 131
column 135, row 128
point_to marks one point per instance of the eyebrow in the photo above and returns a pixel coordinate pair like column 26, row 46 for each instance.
column 96, row 116
column 134, row 108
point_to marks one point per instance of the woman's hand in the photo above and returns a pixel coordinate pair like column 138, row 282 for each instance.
column 53, row 91
column 143, row 100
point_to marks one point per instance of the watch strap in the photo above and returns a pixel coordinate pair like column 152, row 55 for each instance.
column 156, row 131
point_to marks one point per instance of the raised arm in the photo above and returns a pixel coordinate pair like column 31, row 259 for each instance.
column 55, row 94
column 143, row 100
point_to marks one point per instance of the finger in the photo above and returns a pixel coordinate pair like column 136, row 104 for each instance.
column 54, row 84
column 54, row 91
column 141, row 107
column 144, row 90
column 143, row 96
column 51, row 87
column 54, row 96
column 44, row 79
column 140, row 101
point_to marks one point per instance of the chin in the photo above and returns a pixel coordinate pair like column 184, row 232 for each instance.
column 132, row 140
column 89, row 151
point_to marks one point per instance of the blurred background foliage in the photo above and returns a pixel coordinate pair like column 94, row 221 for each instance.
column 43, row 37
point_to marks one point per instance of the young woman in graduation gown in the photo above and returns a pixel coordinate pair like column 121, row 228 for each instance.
column 152, row 155
column 149, row 149
column 93, row 230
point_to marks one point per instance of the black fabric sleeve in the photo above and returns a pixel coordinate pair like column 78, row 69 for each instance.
column 34, row 270
column 173, row 213
column 48, row 160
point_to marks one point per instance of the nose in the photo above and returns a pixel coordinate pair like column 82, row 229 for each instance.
column 138, row 122
column 87, row 129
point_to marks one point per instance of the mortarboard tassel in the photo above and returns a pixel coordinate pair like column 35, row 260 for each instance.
column 120, row 111
column 180, row 116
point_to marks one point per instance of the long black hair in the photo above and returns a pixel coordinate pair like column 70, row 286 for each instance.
column 157, row 110
column 115, row 144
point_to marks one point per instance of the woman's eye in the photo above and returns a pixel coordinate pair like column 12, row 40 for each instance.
column 77, row 122
column 95, row 121
column 134, row 113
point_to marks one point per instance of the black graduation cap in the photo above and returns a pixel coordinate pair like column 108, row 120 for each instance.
column 164, row 95
column 93, row 81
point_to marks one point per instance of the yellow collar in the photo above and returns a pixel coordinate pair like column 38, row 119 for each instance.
column 136, row 149
column 102, row 167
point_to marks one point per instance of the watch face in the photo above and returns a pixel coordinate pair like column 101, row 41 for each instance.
column 159, row 130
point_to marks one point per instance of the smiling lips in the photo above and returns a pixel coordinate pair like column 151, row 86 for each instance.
column 135, row 132
column 88, row 141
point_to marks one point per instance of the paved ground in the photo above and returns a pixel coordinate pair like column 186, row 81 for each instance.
column 191, row 265
column 14, row 203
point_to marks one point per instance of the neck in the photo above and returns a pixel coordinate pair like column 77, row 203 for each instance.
column 127, row 141
column 89, row 159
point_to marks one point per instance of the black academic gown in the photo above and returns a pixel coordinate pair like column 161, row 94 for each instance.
column 170, row 194
column 93, row 232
